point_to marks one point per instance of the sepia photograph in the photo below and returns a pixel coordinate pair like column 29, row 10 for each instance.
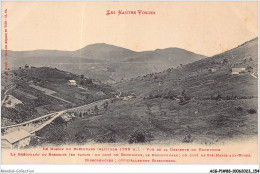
column 129, row 82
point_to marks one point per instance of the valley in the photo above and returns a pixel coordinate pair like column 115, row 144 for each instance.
column 156, row 97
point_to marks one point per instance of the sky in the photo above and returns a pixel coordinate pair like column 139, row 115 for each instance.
column 206, row 28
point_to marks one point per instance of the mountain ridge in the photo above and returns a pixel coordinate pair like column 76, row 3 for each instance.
column 103, row 61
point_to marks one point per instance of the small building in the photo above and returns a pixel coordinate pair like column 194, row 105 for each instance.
column 238, row 70
column 16, row 139
column 72, row 82
column 128, row 97
column 125, row 98
column 212, row 70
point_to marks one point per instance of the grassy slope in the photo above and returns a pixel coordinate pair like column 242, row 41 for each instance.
column 206, row 120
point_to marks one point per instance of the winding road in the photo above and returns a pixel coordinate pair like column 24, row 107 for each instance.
column 59, row 113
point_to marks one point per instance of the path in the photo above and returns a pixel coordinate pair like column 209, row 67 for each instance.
column 44, row 116
column 253, row 75
column 5, row 93
column 47, row 122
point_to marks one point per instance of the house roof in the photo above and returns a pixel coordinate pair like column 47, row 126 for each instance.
column 238, row 69
column 16, row 136
column 72, row 81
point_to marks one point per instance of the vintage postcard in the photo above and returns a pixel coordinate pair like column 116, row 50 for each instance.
column 129, row 82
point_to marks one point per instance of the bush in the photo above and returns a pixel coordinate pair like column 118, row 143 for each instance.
column 59, row 121
column 251, row 111
column 80, row 115
column 81, row 137
column 56, row 136
column 216, row 97
column 239, row 108
column 183, row 101
column 96, row 109
column 171, row 95
column 9, row 102
column 108, row 138
column 140, row 136
column 187, row 139
column 231, row 97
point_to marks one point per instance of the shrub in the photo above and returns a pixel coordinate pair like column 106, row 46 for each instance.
column 82, row 82
column 96, row 109
column 80, row 115
column 59, row 121
column 251, row 111
column 81, row 137
column 140, row 136
column 150, row 96
column 183, row 101
column 239, row 108
column 216, row 97
column 187, row 139
column 108, row 138
column 171, row 95
column 9, row 102
column 56, row 136
column 26, row 66
column 106, row 105
column 231, row 97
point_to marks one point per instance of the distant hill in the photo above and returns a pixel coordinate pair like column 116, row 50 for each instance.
column 169, row 55
column 245, row 56
column 102, row 61
column 104, row 52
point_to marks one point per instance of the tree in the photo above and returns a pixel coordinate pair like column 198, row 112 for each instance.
column 106, row 105
column 59, row 121
column 249, row 68
column 96, row 109
column 26, row 66
column 140, row 136
column 56, row 136
column 80, row 114
column 218, row 97
column 183, row 92
column 225, row 61
column 81, row 82
column 82, row 76
column 89, row 81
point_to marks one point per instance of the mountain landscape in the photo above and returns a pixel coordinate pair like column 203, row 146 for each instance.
column 105, row 62
column 199, row 102
column 195, row 100
column 32, row 92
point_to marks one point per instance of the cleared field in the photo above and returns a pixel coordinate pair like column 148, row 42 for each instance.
column 21, row 94
column 45, row 90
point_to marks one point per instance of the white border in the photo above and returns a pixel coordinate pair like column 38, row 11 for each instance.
column 144, row 168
